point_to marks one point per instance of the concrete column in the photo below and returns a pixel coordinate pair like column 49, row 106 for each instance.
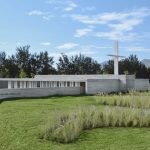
column 35, row 84
column 9, row 84
column 62, row 84
column 86, row 89
column 24, row 84
column 47, row 84
column 30, row 84
column 76, row 84
column 21, row 84
column 41, row 84
column 44, row 84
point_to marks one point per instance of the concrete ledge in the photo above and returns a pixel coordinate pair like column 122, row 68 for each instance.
column 38, row 92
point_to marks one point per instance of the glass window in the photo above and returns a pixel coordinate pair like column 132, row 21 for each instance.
column 12, row 84
column 57, row 84
column 38, row 84
column 18, row 84
column 74, row 84
column 68, row 84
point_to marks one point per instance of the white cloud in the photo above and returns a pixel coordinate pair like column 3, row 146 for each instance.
column 74, row 52
column 67, row 46
column 88, row 8
column 84, row 31
column 115, row 35
column 67, row 5
column 126, row 25
column 45, row 44
column 119, row 25
column 46, row 18
column 137, row 49
column 44, row 15
column 84, row 52
column 100, row 47
column 105, row 18
column 35, row 13
column 70, row 6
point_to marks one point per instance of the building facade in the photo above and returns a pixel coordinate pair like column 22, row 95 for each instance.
column 47, row 85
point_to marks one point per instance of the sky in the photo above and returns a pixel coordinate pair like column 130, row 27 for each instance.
column 89, row 27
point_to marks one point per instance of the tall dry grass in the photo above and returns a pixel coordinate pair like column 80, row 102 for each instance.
column 67, row 127
column 132, row 100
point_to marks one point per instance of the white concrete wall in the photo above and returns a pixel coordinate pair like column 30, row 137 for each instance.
column 142, row 84
column 130, row 82
column 38, row 92
column 95, row 86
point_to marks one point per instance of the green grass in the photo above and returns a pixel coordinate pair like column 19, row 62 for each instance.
column 21, row 122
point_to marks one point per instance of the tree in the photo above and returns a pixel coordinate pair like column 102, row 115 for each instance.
column 109, row 67
column 22, row 74
column 78, row 64
column 12, row 67
column 128, row 66
column 64, row 65
column 23, row 59
column 3, row 69
column 45, row 64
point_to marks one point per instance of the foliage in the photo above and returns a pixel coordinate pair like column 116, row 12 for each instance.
column 43, row 64
column 129, row 66
column 25, row 64
column 22, row 74
column 78, row 64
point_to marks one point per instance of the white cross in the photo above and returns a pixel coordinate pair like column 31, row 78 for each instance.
column 116, row 57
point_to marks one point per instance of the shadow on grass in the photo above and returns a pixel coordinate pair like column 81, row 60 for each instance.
column 39, row 98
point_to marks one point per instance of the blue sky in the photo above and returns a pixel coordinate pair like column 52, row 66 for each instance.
column 89, row 27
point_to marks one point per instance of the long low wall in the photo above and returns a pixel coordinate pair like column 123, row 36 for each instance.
column 39, row 92
column 95, row 86
column 142, row 84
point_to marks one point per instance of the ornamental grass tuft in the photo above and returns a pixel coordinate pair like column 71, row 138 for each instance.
column 65, row 128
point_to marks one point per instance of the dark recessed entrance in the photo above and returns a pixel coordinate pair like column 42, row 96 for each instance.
column 82, row 87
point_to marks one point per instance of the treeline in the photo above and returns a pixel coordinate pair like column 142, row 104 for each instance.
column 25, row 64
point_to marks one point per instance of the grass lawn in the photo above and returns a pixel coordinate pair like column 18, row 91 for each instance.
column 21, row 122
